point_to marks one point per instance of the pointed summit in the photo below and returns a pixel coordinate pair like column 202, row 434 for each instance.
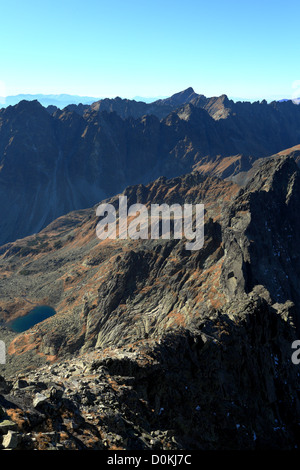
column 180, row 98
column 188, row 91
column 28, row 105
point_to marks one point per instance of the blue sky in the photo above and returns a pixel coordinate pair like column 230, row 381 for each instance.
column 149, row 48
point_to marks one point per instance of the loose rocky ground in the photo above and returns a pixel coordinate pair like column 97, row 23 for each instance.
column 227, row 384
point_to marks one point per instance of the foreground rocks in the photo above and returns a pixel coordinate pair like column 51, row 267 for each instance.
column 227, row 384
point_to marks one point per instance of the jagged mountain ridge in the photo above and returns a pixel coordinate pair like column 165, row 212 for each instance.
column 52, row 163
column 218, row 107
column 55, row 101
column 214, row 327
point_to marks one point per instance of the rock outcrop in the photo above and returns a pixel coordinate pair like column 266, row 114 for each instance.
column 228, row 384
column 154, row 346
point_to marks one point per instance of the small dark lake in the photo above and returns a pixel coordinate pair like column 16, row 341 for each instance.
column 35, row 316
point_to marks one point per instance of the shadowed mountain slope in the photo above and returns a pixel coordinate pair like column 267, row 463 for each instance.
column 51, row 164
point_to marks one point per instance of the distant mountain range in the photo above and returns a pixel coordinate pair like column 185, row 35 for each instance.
column 53, row 161
column 61, row 100
column 295, row 100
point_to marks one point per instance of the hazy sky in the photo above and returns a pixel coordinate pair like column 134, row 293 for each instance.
column 150, row 48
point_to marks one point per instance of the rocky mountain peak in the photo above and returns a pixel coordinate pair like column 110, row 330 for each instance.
column 180, row 98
